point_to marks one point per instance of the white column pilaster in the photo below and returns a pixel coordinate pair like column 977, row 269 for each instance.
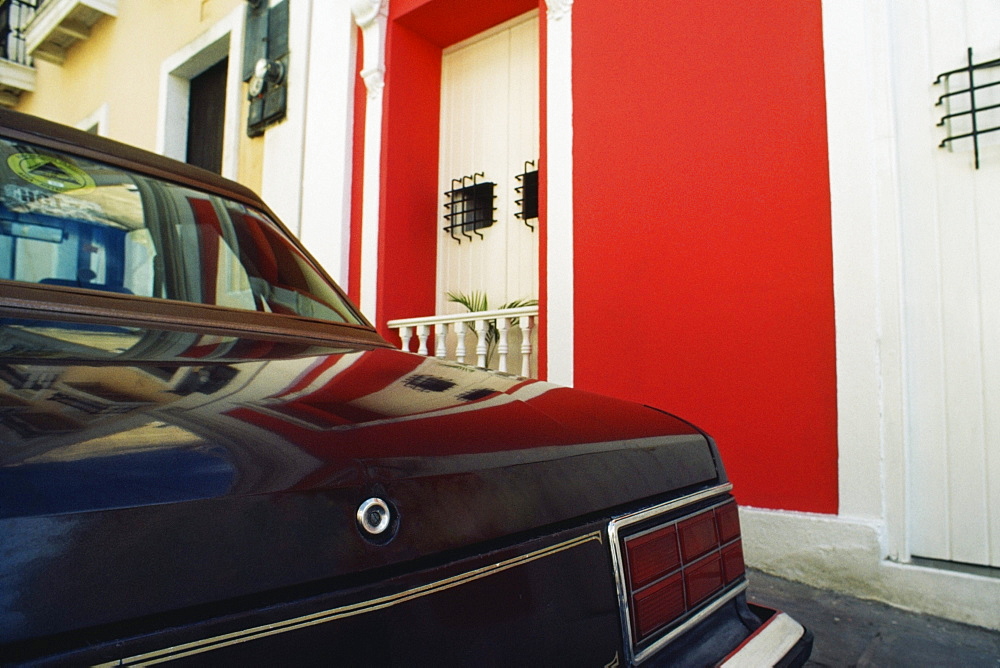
column 372, row 17
column 559, row 203
column 327, row 149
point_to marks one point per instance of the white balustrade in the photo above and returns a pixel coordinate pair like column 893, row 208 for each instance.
column 482, row 327
column 502, row 338
column 423, row 332
column 526, row 329
column 503, row 327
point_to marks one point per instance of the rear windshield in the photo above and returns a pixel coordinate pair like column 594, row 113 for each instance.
column 69, row 221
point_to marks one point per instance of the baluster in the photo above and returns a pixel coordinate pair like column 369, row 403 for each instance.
column 461, row 326
column 503, row 325
column 405, row 336
column 423, row 331
column 527, row 323
column 481, row 328
column 441, row 341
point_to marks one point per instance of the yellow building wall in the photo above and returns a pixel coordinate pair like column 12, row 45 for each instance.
column 250, row 170
column 119, row 65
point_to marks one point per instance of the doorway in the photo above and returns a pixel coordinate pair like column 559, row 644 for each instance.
column 489, row 135
column 207, row 117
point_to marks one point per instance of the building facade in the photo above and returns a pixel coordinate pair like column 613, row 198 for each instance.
column 746, row 214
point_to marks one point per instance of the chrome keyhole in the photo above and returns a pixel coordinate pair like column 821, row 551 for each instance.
column 374, row 516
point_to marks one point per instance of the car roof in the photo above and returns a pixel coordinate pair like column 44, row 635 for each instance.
column 17, row 126
column 54, row 135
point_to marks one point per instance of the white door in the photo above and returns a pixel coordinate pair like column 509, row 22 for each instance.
column 489, row 134
column 950, row 225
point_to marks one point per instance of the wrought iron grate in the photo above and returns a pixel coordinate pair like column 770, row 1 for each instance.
column 528, row 190
column 970, row 120
column 470, row 207
column 427, row 383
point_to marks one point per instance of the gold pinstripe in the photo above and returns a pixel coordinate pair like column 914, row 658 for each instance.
column 218, row 642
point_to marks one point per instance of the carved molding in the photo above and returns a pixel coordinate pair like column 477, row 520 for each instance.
column 372, row 16
column 558, row 9
column 367, row 11
column 374, row 81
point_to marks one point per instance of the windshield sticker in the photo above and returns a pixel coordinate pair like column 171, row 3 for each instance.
column 50, row 173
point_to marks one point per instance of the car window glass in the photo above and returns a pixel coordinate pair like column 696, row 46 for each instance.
column 71, row 222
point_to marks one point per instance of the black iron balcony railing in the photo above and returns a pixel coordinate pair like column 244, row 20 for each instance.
column 14, row 16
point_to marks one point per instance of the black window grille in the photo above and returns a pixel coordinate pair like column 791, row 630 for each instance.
column 426, row 383
column 528, row 190
column 476, row 395
column 24, row 381
column 79, row 403
column 470, row 207
column 968, row 104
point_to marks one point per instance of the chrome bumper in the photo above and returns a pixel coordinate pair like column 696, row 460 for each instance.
column 780, row 641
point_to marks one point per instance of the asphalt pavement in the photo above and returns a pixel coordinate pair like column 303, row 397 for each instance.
column 853, row 632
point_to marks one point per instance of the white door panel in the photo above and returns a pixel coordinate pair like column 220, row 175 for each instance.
column 489, row 126
column 951, row 282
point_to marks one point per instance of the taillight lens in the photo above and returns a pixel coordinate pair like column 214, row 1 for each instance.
column 653, row 554
column 728, row 519
column 698, row 536
column 676, row 567
column 658, row 604
column 703, row 579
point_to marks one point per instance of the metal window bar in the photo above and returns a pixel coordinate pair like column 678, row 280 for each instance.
column 975, row 109
column 470, row 207
column 528, row 190
column 14, row 16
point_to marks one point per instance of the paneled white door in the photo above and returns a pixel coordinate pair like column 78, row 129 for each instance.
column 950, row 225
column 489, row 127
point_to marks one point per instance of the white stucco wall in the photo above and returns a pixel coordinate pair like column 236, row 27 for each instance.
column 307, row 157
column 872, row 62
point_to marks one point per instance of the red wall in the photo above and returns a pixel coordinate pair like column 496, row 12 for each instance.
column 357, row 179
column 702, row 230
column 702, row 217
column 408, row 208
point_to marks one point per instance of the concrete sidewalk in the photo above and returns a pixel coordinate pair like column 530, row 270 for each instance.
column 853, row 632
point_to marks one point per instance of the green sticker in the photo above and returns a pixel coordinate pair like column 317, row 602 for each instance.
column 50, row 173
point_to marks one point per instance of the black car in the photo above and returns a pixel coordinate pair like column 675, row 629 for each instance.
column 209, row 456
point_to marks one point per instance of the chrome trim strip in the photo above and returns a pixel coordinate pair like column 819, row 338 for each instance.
column 618, row 563
column 638, row 516
column 698, row 617
column 217, row 642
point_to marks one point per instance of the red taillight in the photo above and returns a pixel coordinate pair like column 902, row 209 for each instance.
column 698, row 536
column 703, row 579
column 732, row 561
column 673, row 569
column 728, row 519
column 652, row 555
column 659, row 604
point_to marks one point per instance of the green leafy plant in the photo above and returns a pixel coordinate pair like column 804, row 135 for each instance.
column 477, row 301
